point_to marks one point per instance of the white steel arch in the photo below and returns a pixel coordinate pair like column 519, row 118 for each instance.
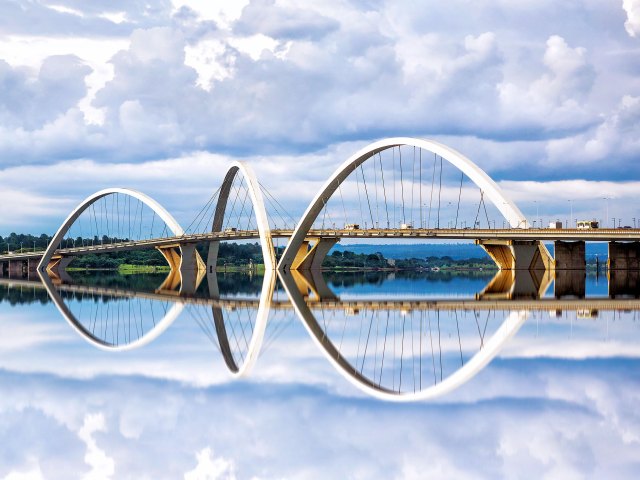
column 255, row 193
column 172, row 224
column 170, row 316
column 471, row 368
column 257, row 338
column 492, row 191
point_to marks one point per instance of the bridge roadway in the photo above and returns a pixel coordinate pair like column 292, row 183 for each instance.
column 530, row 234
column 355, row 305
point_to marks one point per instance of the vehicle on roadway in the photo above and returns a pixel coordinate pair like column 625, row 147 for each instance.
column 587, row 225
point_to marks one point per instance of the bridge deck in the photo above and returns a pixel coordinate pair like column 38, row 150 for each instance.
column 353, row 305
column 531, row 234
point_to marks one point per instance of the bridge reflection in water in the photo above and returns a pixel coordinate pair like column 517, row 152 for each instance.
column 394, row 348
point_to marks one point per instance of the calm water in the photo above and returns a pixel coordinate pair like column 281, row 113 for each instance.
column 360, row 375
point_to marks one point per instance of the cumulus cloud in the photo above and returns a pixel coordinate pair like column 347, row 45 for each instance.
column 572, row 419
column 615, row 140
column 554, row 101
column 102, row 466
column 210, row 468
column 632, row 9
column 31, row 99
column 529, row 93
column 283, row 22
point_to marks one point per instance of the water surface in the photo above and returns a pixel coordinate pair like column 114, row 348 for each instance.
column 359, row 375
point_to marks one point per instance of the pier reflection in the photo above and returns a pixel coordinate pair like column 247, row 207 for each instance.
column 405, row 343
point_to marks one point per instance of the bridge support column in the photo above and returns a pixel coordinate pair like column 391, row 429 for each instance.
column 624, row 256
column 32, row 265
column 517, row 284
column 624, row 283
column 186, row 264
column 212, row 257
column 518, row 254
column 311, row 259
column 192, row 268
column 569, row 255
column 172, row 257
column 57, row 268
column 16, row 268
column 312, row 282
column 570, row 283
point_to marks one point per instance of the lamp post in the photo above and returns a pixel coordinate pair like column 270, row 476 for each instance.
column 571, row 216
column 606, row 199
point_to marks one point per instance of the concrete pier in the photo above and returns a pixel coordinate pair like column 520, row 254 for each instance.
column 570, row 255
column 624, row 256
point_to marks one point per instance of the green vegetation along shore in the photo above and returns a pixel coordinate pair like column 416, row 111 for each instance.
column 238, row 257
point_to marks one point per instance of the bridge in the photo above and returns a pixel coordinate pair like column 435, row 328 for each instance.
column 398, row 188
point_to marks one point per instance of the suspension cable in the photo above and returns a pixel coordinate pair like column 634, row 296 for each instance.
column 439, row 192
column 433, row 179
column 384, row 190
column 404, row 218
column 459, row 195
column 366, row 192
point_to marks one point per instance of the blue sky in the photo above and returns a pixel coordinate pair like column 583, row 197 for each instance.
column 161, row 96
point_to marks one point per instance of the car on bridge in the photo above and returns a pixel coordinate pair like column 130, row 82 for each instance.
column 352, row 226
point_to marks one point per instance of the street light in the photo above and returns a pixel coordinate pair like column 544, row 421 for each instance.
column 571, row 216
column 606, row 199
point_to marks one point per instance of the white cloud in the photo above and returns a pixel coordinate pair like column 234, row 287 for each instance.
column 555, row 99
column 572, row 419
column 32, row 472
column 632, row 9
column 210, row 468
column 102, row 466
column 530, row 93
column 65, row 9
column 615, row 139
column 222, row 12
column 208, row 58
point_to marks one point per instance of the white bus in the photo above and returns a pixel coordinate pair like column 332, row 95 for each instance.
column 587, row 224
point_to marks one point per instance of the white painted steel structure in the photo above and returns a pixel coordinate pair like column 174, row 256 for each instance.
column 257, row 337
column 489, row 350
column 171, row 223
column 170, row 316
column 492, row 191
column 257, row 200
